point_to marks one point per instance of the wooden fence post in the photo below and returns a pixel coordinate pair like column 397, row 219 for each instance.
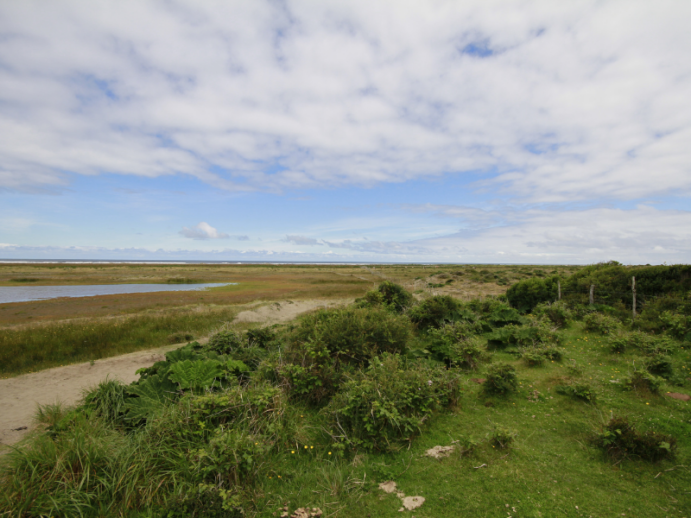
column 633, row 290
column 559, row 290
column 592, row 294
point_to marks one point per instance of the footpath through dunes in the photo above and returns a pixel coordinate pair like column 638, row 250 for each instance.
column 21, row 395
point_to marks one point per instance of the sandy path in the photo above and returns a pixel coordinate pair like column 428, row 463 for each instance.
column 19, row 396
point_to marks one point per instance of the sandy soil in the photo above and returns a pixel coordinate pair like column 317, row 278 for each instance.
column 20, row 396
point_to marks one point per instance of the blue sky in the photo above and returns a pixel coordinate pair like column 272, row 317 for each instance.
column 512, row 132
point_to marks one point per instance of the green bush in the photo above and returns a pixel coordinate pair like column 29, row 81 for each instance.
column 642, row 380
column 440, row 342
column 533, row 334
column 386, row 405
column 660, row 365
column 224, row 342
column 619, row 438
column 468, row 354
column 351, row 335
column 501, row 379
column 532, row 358
column 437, row 311
column 389, row 295
column 557, row 313
column 527, row 294
column 602, row 324
column 583, row 392
column 502, row 437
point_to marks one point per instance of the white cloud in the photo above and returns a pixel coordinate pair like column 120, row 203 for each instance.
column 203, row 231
column 564, row 101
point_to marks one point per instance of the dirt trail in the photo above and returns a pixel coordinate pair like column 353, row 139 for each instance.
column 20, row 396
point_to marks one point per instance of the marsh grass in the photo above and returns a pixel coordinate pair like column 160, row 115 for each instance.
column 43, row 346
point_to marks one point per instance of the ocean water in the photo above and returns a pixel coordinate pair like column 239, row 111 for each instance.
column 28, row 293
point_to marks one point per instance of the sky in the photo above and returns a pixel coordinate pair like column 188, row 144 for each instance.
column 389, row 131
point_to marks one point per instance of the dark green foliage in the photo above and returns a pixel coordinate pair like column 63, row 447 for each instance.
column 619, row 438
column 150, row 395
column 502, row 437
column 107, row 400
column 532, row 358
column 468, row 354
column 642, row 380
column 533, row 334
column 504, row 316
column 385, row 406
column 526, row 294
column 260, row 337
column 231, row 457
column 557, row 313
column 677, row 325
column 447, row 343
column 225, row 342
column 437, row 311
column 198, row 375
column 388, row 295
column 349, row 335
column 583, row 392
column 660, row 365
column 602, row 324
column 501, row 379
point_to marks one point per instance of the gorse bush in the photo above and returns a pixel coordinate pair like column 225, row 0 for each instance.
column 619, row 438
column 526, row 295
column 602, row 324
column 557, row 313
column 437, row 311
column 660, row 365
column 445, row 343
column 533, row 334
column 386, row 405
column 388, row 295
column 501, row 379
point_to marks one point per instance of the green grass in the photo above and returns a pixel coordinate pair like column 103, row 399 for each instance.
column 30, row 349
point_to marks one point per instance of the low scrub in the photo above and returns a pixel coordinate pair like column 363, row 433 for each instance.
column 642, row 380
column 557, row 313
column 531, row 335
column 501, row 379
column 385, row 406
column 437, row 311
column 601, row 324
column 388, row 295
column 619, row 438
column 582, row 392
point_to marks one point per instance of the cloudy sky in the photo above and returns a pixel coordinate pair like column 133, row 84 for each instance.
column 511, row 132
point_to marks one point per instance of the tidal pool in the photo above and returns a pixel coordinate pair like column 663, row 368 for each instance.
column 28, row 293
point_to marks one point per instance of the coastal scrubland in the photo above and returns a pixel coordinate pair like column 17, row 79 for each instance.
column 563, row 409
column 47, row 333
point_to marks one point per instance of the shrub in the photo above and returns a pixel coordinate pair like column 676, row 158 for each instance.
column 501, row 379
column 660, row 365
column 502, row 437
column 231, row 457
column 468, row 354
column 619, row 438
column 534, row 334
column 551, row 353
column 532, row 358
column 386, row 405
column 526, row 294
column 583, row 392
column 557, row 313
column 260, row 337
column 388, row 295
column 437, row 311
column 642, row 380
column 504, row 316
column 443, row 340
column 602, row 324
column 351, row 335
column 224, row 342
